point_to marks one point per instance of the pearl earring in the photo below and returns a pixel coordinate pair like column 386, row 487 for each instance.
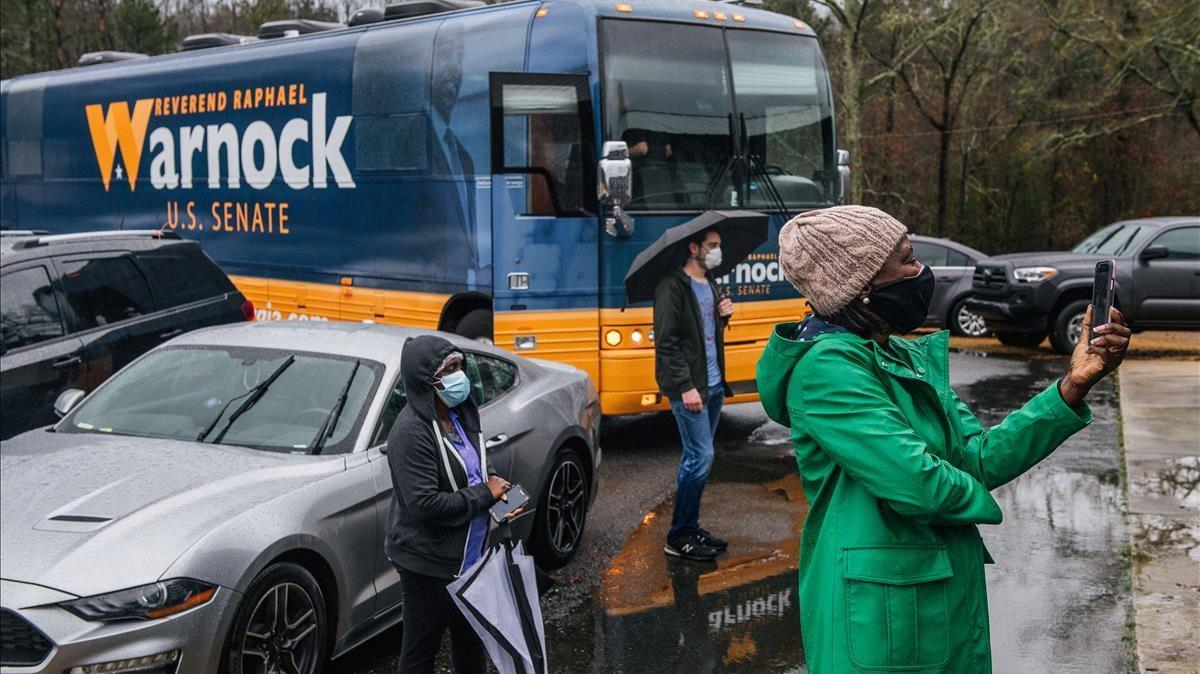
column 866, row 300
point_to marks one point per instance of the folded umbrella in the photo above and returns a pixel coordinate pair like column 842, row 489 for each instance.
column 498, row 596
column 741, row 232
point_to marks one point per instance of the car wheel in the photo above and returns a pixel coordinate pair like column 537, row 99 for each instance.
column 1027, row 339
column 476, row 325
column 966, row 323
column 562, row 511
column 1067, row 326
column 280, row 626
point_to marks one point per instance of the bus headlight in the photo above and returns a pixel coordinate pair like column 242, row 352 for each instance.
column 636, row 337
column 612, row 337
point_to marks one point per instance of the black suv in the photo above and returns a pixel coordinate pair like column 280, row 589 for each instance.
column 76, row 308
column 1026, row 296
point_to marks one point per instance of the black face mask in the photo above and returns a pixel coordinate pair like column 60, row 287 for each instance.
column 904, row 303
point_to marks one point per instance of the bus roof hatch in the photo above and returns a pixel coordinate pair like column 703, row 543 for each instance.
column 291, row 27
column 94, row 58
column 406, row 9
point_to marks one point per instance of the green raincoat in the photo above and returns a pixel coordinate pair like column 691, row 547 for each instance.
column 897, row 472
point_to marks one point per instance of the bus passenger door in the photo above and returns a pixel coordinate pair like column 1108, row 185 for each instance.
column 544, row 225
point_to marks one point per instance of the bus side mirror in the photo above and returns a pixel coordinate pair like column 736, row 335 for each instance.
column 615, row 187
column 843, row 168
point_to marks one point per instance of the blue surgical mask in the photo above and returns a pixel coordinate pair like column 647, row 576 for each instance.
column 455, row 388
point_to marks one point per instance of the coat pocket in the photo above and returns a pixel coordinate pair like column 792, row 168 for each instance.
column 896, row 613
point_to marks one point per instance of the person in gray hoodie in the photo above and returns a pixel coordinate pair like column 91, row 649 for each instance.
column 442, row 490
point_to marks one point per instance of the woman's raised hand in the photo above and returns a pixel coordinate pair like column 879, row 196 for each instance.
column 1095, row 355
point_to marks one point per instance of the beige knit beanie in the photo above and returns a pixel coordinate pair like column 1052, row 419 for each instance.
column 830, row 255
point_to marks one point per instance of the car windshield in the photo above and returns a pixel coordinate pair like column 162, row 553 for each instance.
column 1119, row 239
column 684, row 98
column 259, row 398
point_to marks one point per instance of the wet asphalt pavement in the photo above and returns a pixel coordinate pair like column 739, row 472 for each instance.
column 1058, row 592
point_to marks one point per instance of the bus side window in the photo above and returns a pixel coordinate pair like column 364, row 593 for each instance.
column 542, row 128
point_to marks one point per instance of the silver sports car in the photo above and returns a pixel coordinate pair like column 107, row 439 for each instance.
column 219, row 504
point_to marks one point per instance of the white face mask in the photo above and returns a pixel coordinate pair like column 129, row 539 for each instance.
column 712, row 259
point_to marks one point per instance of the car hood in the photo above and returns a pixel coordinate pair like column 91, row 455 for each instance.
column 1056, row 258
column 89, row 513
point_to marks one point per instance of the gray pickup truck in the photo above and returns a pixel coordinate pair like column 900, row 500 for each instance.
column 1025, row 297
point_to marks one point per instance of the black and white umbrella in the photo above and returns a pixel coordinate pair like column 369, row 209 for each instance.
column 499, row 597
column 741, row 232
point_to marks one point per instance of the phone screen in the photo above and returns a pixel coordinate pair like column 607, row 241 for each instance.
column 1103, row 286
column 516, row 498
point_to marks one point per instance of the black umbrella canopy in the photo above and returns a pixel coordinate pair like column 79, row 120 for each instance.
column 741, row 232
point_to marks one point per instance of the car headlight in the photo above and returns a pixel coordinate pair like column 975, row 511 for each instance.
column 147, row 602
column 1033, row 274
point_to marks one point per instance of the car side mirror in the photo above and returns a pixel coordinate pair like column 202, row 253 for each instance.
column 66, row 401
column 615, row 188
column 1154, row 253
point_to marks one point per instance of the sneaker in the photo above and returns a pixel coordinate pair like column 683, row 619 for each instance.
column 690, row 548
column 711, row 541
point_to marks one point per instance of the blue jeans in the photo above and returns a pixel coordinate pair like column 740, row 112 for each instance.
column 696, row 429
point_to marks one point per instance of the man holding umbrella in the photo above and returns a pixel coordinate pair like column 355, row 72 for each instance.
column 677, row 272
column 689, row 366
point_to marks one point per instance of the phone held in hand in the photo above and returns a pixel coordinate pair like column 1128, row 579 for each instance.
column 1104, row 285
column 515, row 498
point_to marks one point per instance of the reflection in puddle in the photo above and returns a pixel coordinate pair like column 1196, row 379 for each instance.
column 1180, row 479
column 738, row 614
column 1158, row 532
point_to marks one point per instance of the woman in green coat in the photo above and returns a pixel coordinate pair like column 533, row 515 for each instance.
column 897, row 470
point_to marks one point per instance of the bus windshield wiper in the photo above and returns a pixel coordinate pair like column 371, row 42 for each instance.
column 318, row 441
column 252, row 396
column 757, row 166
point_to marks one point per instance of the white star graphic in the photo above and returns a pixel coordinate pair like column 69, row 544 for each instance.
column 120, row 172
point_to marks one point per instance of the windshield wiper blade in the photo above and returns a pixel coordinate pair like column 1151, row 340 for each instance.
column 756, row 162
column 252, row 396
column 318, row 441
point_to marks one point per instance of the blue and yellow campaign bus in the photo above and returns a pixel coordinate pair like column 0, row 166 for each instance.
column 441, row 169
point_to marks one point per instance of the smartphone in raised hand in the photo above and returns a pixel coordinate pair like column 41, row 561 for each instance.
column 1104, row 286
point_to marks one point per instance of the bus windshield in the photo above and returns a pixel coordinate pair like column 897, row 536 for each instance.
column 686, row 104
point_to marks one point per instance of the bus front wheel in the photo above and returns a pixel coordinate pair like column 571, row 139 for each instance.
column 477, row 325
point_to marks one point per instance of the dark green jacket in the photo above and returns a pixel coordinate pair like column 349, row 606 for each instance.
column 680, row 363
column 897, row 472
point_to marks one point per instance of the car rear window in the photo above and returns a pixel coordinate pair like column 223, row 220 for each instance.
column 105, row 290
column 179, row 279
column 29, row 310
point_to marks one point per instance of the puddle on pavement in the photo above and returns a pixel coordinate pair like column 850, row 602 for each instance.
column 652, row 613
column 1180, row 479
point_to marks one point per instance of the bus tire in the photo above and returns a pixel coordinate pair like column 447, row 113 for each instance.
column 477, row 325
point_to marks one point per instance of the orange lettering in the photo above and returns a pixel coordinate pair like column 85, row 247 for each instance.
column 221, row 101
column 243, row 217
column 283, row 218
column 237, row 99
column 117, row 129
column 192, row 215
column 258, row 222
column 291, row 94
column 303, row 98
column 216, row 216
column 227, row 206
